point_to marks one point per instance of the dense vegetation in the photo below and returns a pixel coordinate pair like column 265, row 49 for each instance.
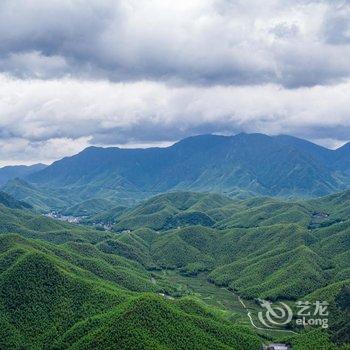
column 75, row 295
column 259, row 247
column 12, row 203
column 72, row 286
column 60, row 295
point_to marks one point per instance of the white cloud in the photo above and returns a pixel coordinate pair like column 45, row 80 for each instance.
column 149, row 72
column 40, row 116
column 15, row 151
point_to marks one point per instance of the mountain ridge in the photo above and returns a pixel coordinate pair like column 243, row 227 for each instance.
column 243, row 165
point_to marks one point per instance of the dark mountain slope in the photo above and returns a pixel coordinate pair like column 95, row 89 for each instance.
column 342, row 159
column 319, row 153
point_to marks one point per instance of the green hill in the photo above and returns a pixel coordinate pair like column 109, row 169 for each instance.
column 60, row 297
column 150, row 322
column 31, row 225
column 172, row 210
column 39, row 299
column 275, row 275
column 71, row 286
column 42, row 199
column 253, row 246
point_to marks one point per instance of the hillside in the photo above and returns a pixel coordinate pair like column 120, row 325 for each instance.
column 172, row 210
column 42, row 199
column 89, row 207
column 152, row 323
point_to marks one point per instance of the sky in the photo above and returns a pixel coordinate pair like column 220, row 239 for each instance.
column 139, row 73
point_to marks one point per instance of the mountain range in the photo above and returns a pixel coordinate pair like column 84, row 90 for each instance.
column 240, row 165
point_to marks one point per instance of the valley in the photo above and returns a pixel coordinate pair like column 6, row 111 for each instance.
column 230, row 304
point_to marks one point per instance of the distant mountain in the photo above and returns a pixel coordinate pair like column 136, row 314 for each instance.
column 18, row 171
column 240, row 164
column 342, row 159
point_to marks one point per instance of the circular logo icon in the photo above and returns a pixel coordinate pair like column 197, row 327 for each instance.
column 275, row 314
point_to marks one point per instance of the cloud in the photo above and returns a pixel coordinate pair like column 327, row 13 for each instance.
column 337, row 25
column 15, row 151
column 149, row 72
column 47, row 119
column 199, row 42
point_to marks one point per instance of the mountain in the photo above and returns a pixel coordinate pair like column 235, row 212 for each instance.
column 18, row 171
column 322, row 154
column 152, row 323
column 257, row 247
column 342, row 159
column 240, row 165
column 171, row 210
column 255, row 163
column 89, row 207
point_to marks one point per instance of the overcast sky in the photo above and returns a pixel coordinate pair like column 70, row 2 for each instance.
column 75, row 73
